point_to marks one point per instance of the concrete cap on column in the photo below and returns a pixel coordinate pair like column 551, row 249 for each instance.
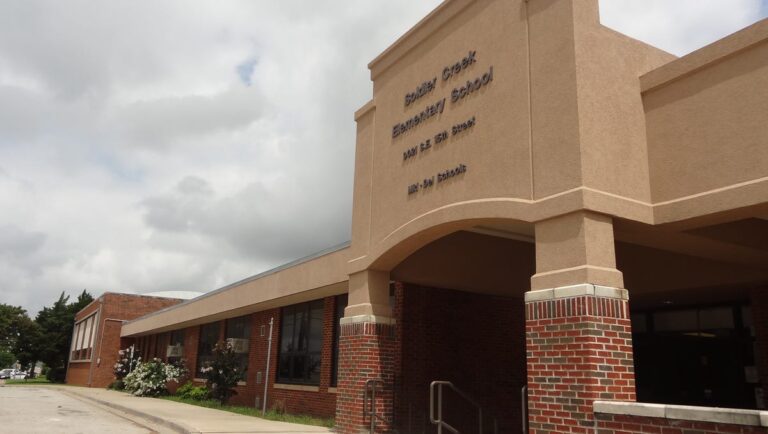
column 577, row 291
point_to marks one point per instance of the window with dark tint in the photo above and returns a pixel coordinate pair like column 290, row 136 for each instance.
column 175, row 341
column 238, row 334
column 341, row 304
column 301, row 340
column 696, row 355
column 209, row 336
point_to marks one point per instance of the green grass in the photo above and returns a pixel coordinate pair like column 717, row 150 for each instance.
column 255, row 412
column 38, row 380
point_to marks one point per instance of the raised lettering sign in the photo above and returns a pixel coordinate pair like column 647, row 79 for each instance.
column 431, row 110
column 451, row 70
column 423, row 89
column 438, row 178
column 472, row 86
column 457, row 94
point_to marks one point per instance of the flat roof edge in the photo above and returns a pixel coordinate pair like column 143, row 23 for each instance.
column 364, row 110
column 245, row 309
column 324, row 252
column 405, row 43
column 98, row 299
column 717, row 51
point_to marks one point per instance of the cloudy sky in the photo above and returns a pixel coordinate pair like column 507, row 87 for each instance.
column 183, row 145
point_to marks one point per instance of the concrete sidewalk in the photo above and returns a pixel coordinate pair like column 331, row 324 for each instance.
column 186, row 418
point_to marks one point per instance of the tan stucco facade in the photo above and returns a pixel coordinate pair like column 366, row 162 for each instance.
column 531, row 121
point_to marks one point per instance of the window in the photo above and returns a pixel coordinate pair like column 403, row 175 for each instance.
column 209, row 336
column 153, row 351
column 238, row 334
column 341, row 304
column 175, row 348
column 695, row 355
column 82, row 339
column 301, row 340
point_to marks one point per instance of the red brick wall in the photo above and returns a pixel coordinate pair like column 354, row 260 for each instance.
column 107, row 341
column 579, row 350
column 77, row 373
column 622, row 424
column 366, row 351
column 475, row 341
column 320, row 403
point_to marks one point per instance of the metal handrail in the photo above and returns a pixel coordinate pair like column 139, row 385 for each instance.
column 370, row 385
column 439, row 421
column 524, row 403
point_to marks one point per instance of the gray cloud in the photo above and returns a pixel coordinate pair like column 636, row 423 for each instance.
column 17, row 244
column 680, row 26
column 253, row 222
column 169, row 119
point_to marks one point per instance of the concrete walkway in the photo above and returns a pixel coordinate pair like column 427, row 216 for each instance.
column 185, row 418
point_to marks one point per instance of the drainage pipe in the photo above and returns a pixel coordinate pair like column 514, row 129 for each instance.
column 266, row 373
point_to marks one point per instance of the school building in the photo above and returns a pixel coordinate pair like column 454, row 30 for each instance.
column 565, row 228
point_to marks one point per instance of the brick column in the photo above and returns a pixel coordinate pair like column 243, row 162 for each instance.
column 579, row 350
column 366, row 351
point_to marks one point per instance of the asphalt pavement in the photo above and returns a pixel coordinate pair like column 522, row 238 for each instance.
column 49, row 410
column 71, row 409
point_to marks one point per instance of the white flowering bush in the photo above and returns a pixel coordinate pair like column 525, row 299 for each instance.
column 151, row 378
column 125, row 363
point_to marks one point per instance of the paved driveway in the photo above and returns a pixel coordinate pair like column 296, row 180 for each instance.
column 47, row 410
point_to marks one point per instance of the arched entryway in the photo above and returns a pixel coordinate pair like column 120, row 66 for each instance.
column 458, row 303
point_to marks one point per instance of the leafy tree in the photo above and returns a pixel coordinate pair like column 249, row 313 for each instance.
column 56, row 324
column 222, row 373
column 6, row 359
column 12, row 319
column 27, row 346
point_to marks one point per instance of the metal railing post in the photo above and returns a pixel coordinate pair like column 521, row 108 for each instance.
column 440, row 408
column 524, row 404
column 439, row 421
column 370, row 385
column 480, row 417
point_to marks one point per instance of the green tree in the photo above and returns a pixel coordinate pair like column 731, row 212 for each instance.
column 222, row 373
column 11, row 322
column 56, row 323
column 6, row 359
column 27, row 347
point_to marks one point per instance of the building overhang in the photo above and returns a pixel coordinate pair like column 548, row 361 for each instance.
column 310, row 278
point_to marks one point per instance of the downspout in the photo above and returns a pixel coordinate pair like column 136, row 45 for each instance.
column 530, row 100
column 524, row 391
column 266, row 373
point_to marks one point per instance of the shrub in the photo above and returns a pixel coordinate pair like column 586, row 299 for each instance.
column 56, row 375
column 151, row 378
column 116, row 385
column 222, row 373
column 190, row 391
column 126, row 362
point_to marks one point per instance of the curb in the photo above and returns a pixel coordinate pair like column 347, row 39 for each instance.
column 167, row 423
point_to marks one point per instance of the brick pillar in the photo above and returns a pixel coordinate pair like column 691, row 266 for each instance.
column 366, row 351
column 579, row 350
